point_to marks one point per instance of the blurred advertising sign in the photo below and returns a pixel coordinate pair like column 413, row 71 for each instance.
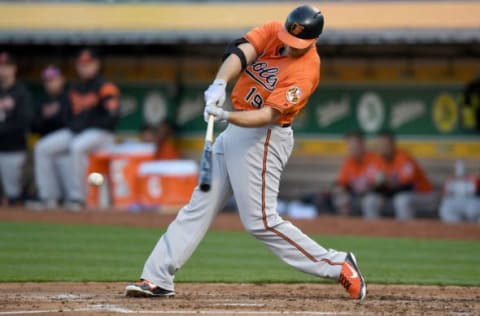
column 415, row 110
column 411, row 110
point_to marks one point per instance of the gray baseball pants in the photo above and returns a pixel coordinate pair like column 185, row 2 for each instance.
column 248, row 163
column 405, row 204
column 11, row 170
column 77, row 147
column 458, row 209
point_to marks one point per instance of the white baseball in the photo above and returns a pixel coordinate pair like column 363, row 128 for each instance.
column 95, row 179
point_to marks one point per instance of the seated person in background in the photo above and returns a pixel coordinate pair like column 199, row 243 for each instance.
column 356, row 176
column 461, row 200
column 147, row 134
column 94, row 115
column 399, row 180
column 15, row 116
column 167, row 142
column 51, row 114
column 52, row 109
column 164, row 138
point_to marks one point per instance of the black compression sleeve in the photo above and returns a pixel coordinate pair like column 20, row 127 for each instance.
column 232, row 48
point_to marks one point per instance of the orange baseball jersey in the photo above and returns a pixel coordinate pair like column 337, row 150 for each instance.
column 405, row 170
column 281, row 82
column 359, row 174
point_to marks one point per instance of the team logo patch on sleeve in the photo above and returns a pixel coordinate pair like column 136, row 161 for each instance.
column 293, row 94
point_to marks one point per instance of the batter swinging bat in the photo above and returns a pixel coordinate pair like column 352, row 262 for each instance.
column 205, row 177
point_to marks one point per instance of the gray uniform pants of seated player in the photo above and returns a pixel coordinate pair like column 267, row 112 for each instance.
column 77, row 147
column 248, row 163
column 11, row 170
column 458, row 209
column 405, row 204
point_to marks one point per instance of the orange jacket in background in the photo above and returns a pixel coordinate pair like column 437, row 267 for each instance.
column 404, row 170
column 167, row 150
column 359, row 175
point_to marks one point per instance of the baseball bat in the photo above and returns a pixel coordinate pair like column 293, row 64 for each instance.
column 205, row 176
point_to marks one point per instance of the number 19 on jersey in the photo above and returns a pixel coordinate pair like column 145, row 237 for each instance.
column 254, row 98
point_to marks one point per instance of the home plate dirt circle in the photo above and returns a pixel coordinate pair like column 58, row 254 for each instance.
column 237, row 299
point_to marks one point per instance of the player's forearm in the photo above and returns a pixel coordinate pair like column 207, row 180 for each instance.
column 232, row 66
column 254, row 118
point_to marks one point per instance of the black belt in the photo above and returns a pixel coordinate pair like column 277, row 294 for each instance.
column 285, row 125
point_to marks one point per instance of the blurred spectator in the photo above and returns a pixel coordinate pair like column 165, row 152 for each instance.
column 400, row 184
column 51, row 114
column 461, row 200
column 94, row 108
column 147, row 134
column 356, row 176
column 166, row 141
column 164, row 138
column 15, row 115
column 53, row 108
column 471, row 105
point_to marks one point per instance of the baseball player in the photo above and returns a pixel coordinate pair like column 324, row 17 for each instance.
column 94, row 114
column 356, row 176
column 51, row 114
column 461, row 197
column 53, row 107
column 15, row 114
column 278, row 68
column 400, row 184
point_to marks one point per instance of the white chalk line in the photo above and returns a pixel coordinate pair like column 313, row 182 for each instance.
column 239, row 304
column 120, row 310
column 69, row 297
column 29, row 312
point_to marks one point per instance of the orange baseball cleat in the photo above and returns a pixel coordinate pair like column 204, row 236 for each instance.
column 351, row 278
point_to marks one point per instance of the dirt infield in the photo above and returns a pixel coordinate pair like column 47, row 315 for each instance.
column 329, row 225
column 237, row 299
column 244, row 299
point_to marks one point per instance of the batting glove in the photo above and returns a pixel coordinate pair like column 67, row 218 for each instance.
column 220, row 114
column 215, row 94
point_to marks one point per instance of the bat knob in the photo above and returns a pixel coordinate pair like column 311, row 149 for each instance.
column 204, row 187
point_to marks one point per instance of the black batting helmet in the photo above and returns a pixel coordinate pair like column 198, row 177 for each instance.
column 302, row 27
